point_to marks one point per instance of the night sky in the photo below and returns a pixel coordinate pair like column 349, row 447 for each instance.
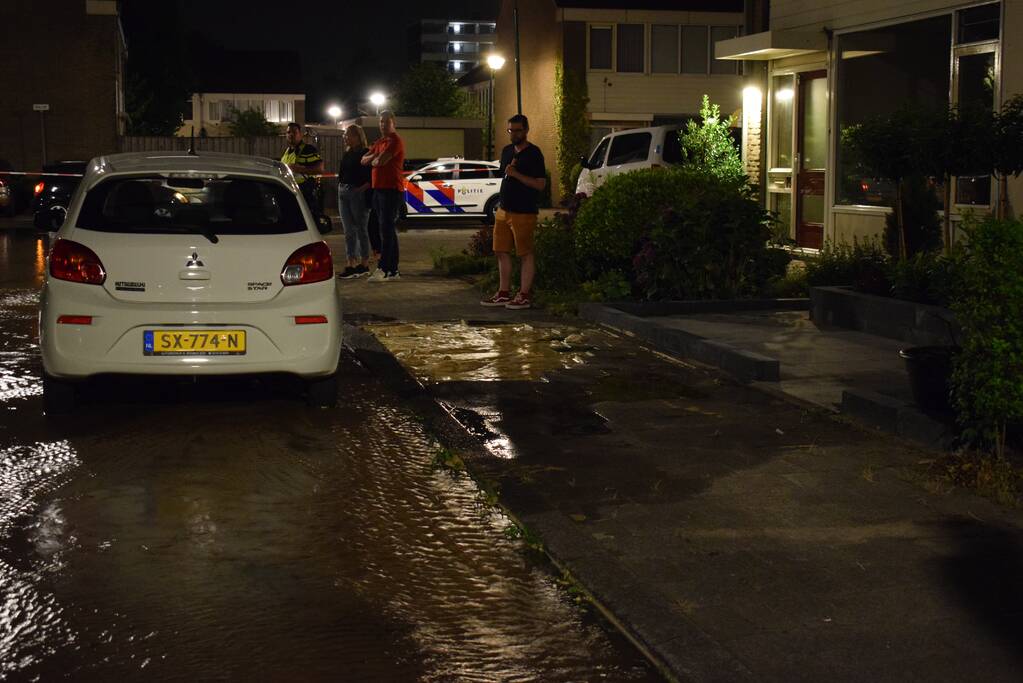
column 347, row 49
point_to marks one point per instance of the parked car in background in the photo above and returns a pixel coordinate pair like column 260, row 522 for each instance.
column 628, row 150
column 8, row 204
column 453, row 187
column 205, row 265
column 52, row 194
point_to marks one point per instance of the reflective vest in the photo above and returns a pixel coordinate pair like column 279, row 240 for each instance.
column 303, row 154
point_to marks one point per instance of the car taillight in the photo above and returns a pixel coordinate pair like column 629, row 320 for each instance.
column 76, row 262
column 311, row 263
column 39, row 188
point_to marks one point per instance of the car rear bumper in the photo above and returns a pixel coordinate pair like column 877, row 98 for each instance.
column 113, row 342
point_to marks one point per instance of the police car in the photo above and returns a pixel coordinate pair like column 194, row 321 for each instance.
column 453, row 187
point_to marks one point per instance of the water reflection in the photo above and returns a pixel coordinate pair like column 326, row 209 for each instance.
column 445, row 352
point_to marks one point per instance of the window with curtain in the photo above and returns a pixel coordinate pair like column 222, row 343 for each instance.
column 600, row 47
column 664, row 49
column 723, row 66
column 630, row 48
column 694, row 49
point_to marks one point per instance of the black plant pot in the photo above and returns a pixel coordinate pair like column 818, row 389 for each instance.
column 930, row 376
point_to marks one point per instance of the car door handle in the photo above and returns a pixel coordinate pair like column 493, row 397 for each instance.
column 194, row 274
column 446, row 185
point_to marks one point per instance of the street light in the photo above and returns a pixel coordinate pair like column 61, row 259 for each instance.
column 335, row 113
column 377, row 99
column 495, row 62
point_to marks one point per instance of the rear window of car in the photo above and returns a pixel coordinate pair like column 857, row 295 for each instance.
column 672, row 148
column 202, row 205
column 474, row 172
column 629, row 148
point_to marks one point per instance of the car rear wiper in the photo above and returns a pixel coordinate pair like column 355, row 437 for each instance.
column 209, row 234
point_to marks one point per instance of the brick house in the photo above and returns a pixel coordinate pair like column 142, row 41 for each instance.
column 831, row 64
column 644, row 62
column 70, row 57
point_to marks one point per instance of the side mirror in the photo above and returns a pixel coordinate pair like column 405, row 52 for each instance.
column 584, row 162
column 324, row 224
column 58, row 214
column 416, row 178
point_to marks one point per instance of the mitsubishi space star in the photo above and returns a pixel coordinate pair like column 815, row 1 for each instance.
column 170, row 263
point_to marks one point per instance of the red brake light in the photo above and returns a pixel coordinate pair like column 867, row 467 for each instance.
column 76, row 262
column 310, row 319
column 39, row 187
column 74, row 320
column 311, row 263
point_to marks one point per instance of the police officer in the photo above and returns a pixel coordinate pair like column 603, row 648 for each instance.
column 304, row 160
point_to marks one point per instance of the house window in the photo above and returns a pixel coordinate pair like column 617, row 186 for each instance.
column 600, row 47
column 722, row 66
column 783, row 94
column 630, row 48
column 978, row 24
column 216, row 109
column 876, row 61
column 694, row 50
column 664, row 51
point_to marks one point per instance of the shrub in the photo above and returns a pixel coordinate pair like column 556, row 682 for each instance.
column 862, row 265
column 482, row 242
column 610, row 225
column 708, row 146
column 988, row 376
column 920, row 205
column 556, row 266
column 610, row 286
column 927, row 278
column 710, row 243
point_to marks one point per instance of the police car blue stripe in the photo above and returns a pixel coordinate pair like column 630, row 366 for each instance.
column 445, row 202
column 417, row 206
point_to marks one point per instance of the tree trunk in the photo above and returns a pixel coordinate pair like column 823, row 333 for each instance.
column 898, row 220
column 947, row 219
column 1003, row 197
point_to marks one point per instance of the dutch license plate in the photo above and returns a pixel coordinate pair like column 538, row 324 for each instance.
column 193, row 342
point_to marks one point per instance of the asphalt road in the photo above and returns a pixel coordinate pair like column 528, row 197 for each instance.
column 221, row 529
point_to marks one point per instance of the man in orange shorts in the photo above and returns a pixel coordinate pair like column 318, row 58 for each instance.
column 525, row 177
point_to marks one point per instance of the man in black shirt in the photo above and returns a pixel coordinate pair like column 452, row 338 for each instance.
column 525, row 177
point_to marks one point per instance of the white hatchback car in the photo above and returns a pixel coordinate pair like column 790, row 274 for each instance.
column 454, row 187
column 179, row 264
column 628, row 150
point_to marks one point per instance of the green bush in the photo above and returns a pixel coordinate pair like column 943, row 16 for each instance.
column 610, row 286
column 988, row 304
column 611, row 224
column 709, row 148
column 862, row 265
column 710, row 243
column 927, row 278
column 556, row 266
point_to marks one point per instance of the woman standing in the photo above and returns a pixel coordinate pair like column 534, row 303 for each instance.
column 353, row 182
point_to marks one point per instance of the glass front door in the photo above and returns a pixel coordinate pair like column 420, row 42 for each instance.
column 810, row 157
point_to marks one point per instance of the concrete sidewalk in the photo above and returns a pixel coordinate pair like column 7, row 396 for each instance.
column 732, row 534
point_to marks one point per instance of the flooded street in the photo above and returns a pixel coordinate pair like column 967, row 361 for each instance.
column 171, row 530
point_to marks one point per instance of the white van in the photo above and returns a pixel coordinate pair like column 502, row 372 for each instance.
column 629, row 150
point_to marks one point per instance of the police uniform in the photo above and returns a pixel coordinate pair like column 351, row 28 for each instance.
column 304, row 154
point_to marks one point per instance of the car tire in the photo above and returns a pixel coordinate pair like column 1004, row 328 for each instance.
column 490, row 210
column 322, row 392
column 58, row 396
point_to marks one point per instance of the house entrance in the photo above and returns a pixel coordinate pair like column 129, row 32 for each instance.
column 811, row 154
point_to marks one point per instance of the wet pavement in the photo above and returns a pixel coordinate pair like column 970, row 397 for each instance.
column 219, row 530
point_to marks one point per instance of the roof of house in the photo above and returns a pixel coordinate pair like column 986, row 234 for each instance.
column 263, row 71
column 677, row 5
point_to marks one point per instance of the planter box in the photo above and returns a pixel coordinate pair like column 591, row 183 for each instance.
column 647, row 309
column 916, row 324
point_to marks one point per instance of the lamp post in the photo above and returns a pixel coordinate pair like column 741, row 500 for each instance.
column 334, row 112
column 377, row 99
column 495, row 62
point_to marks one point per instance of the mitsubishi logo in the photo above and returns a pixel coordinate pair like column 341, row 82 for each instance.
column 194, row 262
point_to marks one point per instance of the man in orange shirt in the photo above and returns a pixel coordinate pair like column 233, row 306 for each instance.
column 387, row 156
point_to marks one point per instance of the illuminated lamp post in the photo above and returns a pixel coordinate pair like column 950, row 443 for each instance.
column 495, row 62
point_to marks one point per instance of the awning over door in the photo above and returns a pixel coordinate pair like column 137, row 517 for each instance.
column 771, row 45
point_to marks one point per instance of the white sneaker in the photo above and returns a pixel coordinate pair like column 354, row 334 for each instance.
column 391, row 277
column 377, row 276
